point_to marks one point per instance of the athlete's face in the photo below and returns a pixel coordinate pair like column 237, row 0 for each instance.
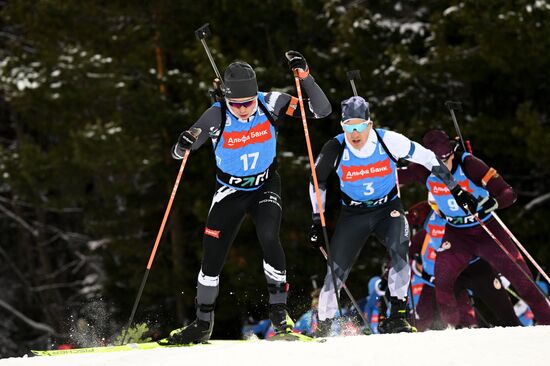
column 357, row 131
column 242, row 107
column 449, row 161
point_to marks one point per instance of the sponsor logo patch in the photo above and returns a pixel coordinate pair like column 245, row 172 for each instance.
column 440, row 189
column 355, row 173
column 395, row 213
column 212, row 233
column 432, row 254
column 436, row 231
column 260, row 133
column 417, row 289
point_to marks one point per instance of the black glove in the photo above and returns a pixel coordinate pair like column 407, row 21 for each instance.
column 316, row 235
column 185, row 141
column 488, row 204
column 465, row 200
column 297, row 61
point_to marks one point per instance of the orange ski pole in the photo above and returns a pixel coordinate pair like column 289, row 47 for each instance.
column 316, row 185
column 195, row 132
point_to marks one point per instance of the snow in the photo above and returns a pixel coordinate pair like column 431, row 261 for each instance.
column 497, row 346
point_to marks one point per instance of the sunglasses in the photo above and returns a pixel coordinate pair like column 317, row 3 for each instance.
column 360, row 127
column 246, row 103
column 446, row 157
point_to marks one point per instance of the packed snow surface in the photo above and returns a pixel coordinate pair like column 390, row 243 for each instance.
column 472, row 347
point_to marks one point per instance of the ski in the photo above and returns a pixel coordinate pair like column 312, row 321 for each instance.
column 103, row 349
column 156, row 345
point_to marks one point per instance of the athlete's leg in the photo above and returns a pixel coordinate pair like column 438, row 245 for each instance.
column 352, row 230
column 489, row 250
column 452, row 258
column 266, row 211
column 392, row 230
column 483, row 281
column 223, row 222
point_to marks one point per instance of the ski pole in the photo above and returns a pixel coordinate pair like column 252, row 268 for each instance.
column 352, row 299
column 202, row 33
column 219, row 88
column 316, row 185
column 195, row 132
column 456, row 105
column 521, row 247
column 508, row 254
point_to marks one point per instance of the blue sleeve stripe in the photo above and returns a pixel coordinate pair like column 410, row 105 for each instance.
column 411, row 150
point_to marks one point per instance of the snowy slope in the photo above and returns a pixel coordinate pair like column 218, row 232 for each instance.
column 472, row 347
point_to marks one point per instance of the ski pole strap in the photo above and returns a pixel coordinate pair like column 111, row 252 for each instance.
column 277, row 288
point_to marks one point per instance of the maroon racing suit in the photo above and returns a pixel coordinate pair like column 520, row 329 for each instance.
column 478, row 277
column 461, row 244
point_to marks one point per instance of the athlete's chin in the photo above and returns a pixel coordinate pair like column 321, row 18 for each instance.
column 358, row 144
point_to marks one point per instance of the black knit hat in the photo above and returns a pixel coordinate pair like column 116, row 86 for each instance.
column 355, row 107
column 240, row 80
column 438, row 141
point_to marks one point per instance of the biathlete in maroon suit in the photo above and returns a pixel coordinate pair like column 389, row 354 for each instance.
column 464, row 237
column 478, row 277
column 243, row 132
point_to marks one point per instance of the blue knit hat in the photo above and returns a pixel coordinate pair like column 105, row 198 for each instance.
column 355, row 107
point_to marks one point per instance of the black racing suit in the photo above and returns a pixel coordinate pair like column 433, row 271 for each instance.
column 263, row 202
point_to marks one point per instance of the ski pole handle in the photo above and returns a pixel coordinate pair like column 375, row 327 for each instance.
column 352, row 76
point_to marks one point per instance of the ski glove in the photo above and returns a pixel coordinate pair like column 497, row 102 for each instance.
column 185, row 142
column 316, row 235
column 297, row 63
column 464, row 199
column 488, row 204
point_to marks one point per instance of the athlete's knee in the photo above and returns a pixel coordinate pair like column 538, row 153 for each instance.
column 269, row 238
column 399, row 251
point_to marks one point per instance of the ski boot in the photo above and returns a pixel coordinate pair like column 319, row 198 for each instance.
column 397, row 321
column 324, row 328
column 282, row 324
column 199, row 331
column 281, row 321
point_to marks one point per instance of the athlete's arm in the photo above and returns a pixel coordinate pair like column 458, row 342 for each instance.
column 483, row 176
column 403, row 148
column 324, row 165
column 316, row 106
column 209, row 124
column 412, row 173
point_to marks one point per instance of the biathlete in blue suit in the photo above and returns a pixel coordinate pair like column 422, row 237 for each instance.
column 364, row 159
column 243, row 132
